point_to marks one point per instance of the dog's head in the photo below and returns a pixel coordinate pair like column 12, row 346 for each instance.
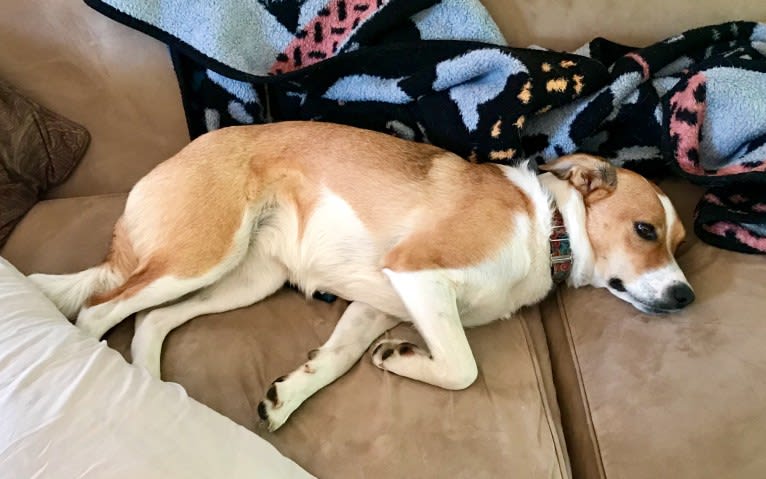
column 634, row 232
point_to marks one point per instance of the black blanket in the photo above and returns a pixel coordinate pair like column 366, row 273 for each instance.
column 693, row 105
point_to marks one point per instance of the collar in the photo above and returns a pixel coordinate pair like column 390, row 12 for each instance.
column 561, row 252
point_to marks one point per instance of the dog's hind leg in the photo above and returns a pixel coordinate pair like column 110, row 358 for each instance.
column 431, row 302
column 146, row 288
column 255, row 278
column 166, row 275
column 355, row 331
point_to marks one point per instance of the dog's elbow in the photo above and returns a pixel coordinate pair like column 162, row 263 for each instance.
column 460, row 377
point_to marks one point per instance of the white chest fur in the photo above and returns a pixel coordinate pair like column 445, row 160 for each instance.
column 519, row 274
column 498, row 287
column 336, row 253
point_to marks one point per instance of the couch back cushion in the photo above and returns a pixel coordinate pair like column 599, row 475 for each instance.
column 568, row 25
column 116, row 81
column 38, row 149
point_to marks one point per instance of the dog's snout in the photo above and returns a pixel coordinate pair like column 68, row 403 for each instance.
column 681, row 294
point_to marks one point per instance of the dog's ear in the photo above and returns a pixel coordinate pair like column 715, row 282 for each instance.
column 593, row 177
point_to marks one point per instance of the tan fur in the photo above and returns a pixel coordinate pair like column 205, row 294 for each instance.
column 405, row 231
column 615, row 199
column 138, row 280
column 678, row 235
column 395, row 187
column 121, row 258
column 449, row 238
column 593, row 177
column 677, row 230
column 632, row 202
column 209, row 184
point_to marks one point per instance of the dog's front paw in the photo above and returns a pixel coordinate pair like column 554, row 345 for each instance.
column 387, row 351
column 272, row 409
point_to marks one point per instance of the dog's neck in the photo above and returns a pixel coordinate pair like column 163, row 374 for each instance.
column 570, row 203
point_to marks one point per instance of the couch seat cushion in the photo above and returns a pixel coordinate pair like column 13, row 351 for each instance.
column 679, row 396
column 368, row 423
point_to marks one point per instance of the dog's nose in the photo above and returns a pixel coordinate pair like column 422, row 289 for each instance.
column 681, row 294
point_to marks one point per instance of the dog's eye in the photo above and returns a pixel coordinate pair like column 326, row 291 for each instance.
column 645, row 230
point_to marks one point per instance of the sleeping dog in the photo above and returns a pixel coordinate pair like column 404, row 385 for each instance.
column 407, row 232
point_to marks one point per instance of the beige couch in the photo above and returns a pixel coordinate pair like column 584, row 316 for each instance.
column 582, row 386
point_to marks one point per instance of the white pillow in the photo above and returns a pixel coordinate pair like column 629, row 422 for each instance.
column 70, row 407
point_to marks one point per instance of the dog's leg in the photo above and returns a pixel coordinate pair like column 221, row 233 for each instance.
column 141, row 291
column 430, row 300
column 356, row 330
column 254, row 279
column 166, row 275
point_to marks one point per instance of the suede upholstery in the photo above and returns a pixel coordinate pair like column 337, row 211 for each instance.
column 74, row 61
column 680, row 396
column 640, row 397
column 368, row 424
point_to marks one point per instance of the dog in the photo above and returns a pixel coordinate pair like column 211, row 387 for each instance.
column 407, row 232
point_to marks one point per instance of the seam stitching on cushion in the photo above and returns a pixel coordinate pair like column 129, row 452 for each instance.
column 580, row 382
column 544, row 397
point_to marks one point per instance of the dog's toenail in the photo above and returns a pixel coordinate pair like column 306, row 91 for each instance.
column 313, row 353
column 308, row 369
column 280, row 379
column 262, row 411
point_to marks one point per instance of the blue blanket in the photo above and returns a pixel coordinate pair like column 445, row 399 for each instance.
column 435, row 71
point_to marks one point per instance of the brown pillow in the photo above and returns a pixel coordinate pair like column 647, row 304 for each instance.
column 38, row 150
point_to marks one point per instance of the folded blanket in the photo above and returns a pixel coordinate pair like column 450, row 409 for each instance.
column 439, row 72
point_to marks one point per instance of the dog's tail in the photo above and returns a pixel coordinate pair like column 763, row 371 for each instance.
column 69, row 292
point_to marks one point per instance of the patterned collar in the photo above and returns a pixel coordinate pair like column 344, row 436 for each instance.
column 561, row 252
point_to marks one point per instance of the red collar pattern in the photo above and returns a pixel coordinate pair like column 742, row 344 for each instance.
column 561, row 251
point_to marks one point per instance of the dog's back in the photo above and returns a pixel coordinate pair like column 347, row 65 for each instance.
column 402, row 205
column 406, row 231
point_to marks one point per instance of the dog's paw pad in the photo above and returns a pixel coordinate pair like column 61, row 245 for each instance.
column 386, row 349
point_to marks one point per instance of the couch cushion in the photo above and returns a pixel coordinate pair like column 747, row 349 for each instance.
column 568, row 25
column 38, row 150
column 65, row 235
column 679, row 396
column 115, row 81
column 368, row 423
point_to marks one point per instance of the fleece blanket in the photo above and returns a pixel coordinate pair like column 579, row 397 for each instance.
column 439, row 71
